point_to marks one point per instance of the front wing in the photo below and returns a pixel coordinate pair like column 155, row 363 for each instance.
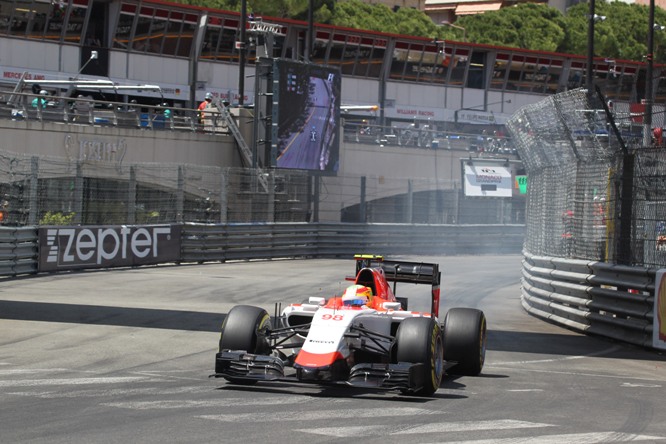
column 239, row 366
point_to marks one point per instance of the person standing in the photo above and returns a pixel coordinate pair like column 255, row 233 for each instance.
column 203, row 106
column 40, row 101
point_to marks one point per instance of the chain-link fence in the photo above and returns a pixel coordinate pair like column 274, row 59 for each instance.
column 596, row 188
column 56, row 191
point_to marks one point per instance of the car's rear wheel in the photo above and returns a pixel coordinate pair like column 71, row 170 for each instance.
column 465, row 340
column 419, row 341
column 244, row 329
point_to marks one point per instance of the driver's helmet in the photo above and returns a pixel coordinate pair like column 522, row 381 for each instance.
column 357, row 295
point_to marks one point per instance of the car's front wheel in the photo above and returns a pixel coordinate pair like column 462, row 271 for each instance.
column 419, row 340
column 465, row 340
column 244, row 329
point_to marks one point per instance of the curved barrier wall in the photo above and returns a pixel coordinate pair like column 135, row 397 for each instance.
column 30, row 250
column 593, row 297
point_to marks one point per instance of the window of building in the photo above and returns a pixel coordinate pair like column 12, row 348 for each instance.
column 376, row 60
column 399, row 60
column 41, row 19
column 500, row 71
column 476, row 75
column 460, row 57
column 576, row 75
column 123, row 34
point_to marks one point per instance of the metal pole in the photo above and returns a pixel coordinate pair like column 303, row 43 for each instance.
column 310, row 35
column 241, row 68
column 317, row 196
column 649, row 73
column 361, row 207
column 624, row 250
column 589, row 83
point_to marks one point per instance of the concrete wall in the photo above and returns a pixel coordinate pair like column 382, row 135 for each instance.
column 121, row 145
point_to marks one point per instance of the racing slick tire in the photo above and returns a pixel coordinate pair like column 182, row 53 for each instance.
column 465, row 340
column 244, row 329
column 419, row 340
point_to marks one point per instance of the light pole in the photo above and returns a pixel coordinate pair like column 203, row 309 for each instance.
column 447, row 23
column 647, row 119
column 589, row 77
column 241, row 58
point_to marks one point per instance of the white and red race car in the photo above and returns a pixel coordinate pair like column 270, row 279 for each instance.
column 366, row 337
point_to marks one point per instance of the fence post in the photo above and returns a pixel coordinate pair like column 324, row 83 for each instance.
column 131, row 196
column 33, row 210
column 180, row 195
column 626, row 210
column 270, row 217
column 315, row 201
column 78, row 194
column 361, row 206
column 410, row 202
column 224, row 190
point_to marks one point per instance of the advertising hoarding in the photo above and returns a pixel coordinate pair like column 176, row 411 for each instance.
column 486, row 179
column 71, row 248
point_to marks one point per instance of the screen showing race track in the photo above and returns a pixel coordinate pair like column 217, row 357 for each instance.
column 306, row 116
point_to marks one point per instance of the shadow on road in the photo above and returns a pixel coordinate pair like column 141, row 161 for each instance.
column 116, row 316
column 567, row 344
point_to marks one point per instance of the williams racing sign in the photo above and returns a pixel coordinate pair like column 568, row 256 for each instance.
column 70, row 248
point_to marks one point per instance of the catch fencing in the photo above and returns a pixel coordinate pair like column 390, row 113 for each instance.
column 596, row 215
column 595, row 192
column 60, row 191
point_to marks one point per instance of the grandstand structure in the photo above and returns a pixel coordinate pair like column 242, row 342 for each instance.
column 189, row 51
column 420, row 112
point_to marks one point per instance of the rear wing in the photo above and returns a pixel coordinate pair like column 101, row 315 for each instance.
column 404, row 271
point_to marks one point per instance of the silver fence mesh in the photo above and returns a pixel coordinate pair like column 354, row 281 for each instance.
column 596, row 183
column 56, row 191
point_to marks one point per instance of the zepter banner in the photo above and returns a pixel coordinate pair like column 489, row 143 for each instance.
column 69, row 248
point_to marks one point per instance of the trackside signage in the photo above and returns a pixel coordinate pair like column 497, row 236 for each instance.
column 68, row 248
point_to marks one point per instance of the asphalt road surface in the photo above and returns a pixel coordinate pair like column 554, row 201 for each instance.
column 124, row 356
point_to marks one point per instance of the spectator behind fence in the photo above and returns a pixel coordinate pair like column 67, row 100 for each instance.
column 167, row 111
column 40, row 101
column 205, row 119
column 82, row 109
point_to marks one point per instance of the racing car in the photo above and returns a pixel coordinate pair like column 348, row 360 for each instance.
column 366, row 337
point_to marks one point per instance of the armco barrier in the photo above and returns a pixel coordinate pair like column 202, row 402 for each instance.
column 592, row 297
column 18, row 251
column 202, row 243
column 224, row 242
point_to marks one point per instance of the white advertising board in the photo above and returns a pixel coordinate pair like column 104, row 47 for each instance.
column 487, row 180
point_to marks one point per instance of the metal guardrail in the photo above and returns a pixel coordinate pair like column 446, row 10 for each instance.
column 598, row 298
column 202, row 242
column 18, row 251
column 86, row 111
column 226, row 242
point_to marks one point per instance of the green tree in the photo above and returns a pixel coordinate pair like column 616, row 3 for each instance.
column 528, row 26
column 358, row 15
column 622, row 36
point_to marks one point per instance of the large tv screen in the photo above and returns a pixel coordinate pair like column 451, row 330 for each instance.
column 306, row 116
